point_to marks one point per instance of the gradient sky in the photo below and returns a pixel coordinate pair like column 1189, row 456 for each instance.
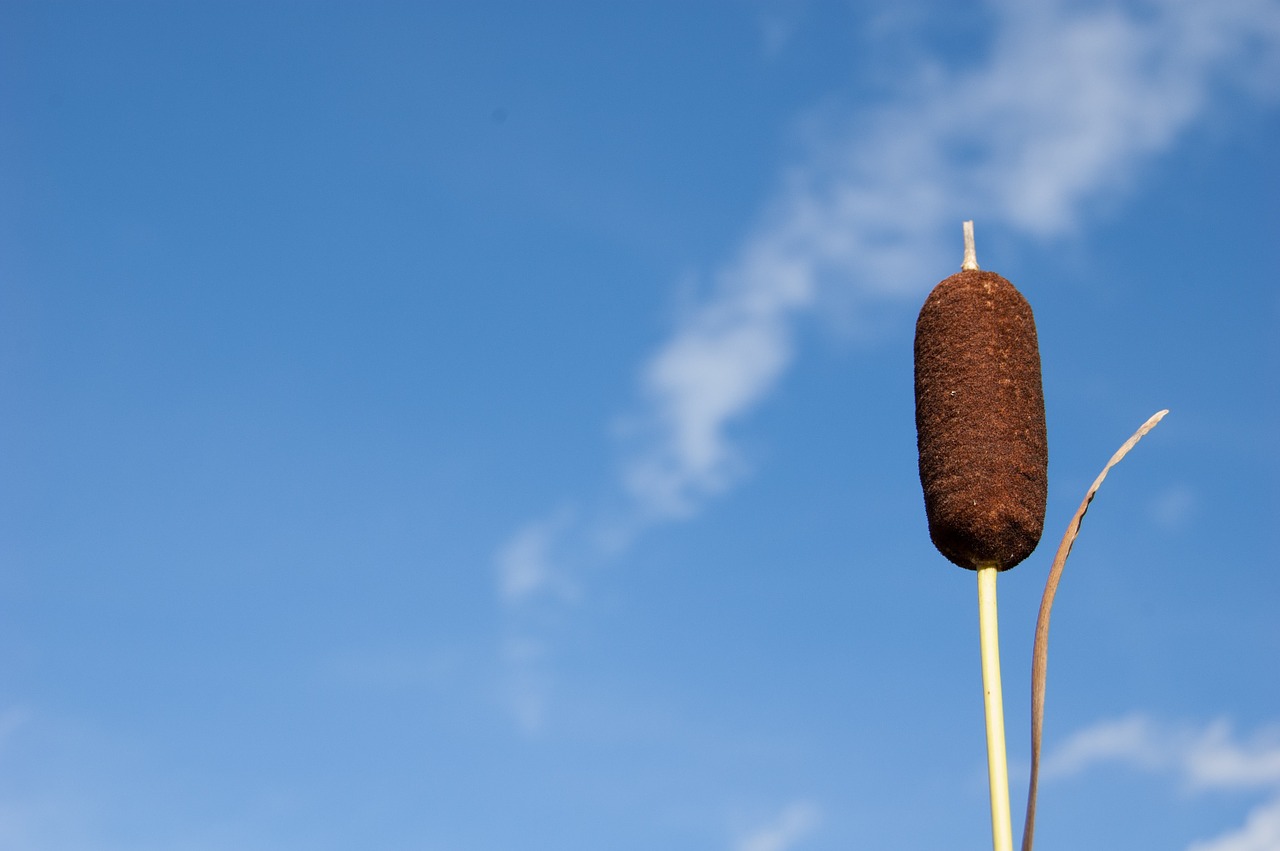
column 488, row 426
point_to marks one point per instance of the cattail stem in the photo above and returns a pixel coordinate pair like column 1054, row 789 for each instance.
column 970, row 262
column 993, row 704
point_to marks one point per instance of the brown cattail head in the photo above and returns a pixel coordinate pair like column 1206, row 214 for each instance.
column 980, row 421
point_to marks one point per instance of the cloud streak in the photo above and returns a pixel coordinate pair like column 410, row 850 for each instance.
column 526, row 564
column 1207, row 759
column 785, row 832
column 1261, row 832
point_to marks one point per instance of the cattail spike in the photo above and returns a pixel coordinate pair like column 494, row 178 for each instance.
column 980, row 423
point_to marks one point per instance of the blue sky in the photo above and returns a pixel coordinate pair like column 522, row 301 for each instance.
column 472, row 427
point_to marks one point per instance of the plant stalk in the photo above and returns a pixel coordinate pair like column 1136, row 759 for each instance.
column 993, row 704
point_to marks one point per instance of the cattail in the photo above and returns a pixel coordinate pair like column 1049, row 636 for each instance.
column 980, row 421
column 983, row 458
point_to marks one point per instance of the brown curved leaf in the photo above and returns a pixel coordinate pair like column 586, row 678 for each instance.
column 1040, row 651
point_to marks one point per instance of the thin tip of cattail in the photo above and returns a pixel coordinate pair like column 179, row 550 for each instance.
column 970, row 262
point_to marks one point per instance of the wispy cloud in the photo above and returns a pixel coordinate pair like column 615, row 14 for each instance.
column 786, row 831
column 526, row 564
column 526, row 685
column 532, row 575
column 1069, row 101
column 1261, row 832
column 1128, row 741
column 1202, row 759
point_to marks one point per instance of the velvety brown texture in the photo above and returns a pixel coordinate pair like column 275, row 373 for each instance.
column 980, row 421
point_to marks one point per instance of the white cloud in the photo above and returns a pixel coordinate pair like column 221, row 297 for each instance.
column 1261, row 832
column 526, row 687
column 1204, row 759
column 1208, row 758
column 525, row 563
column 795, row 822
column 530, row 579
column 1127, row 740
column 1215, row 761
column 721, row 363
